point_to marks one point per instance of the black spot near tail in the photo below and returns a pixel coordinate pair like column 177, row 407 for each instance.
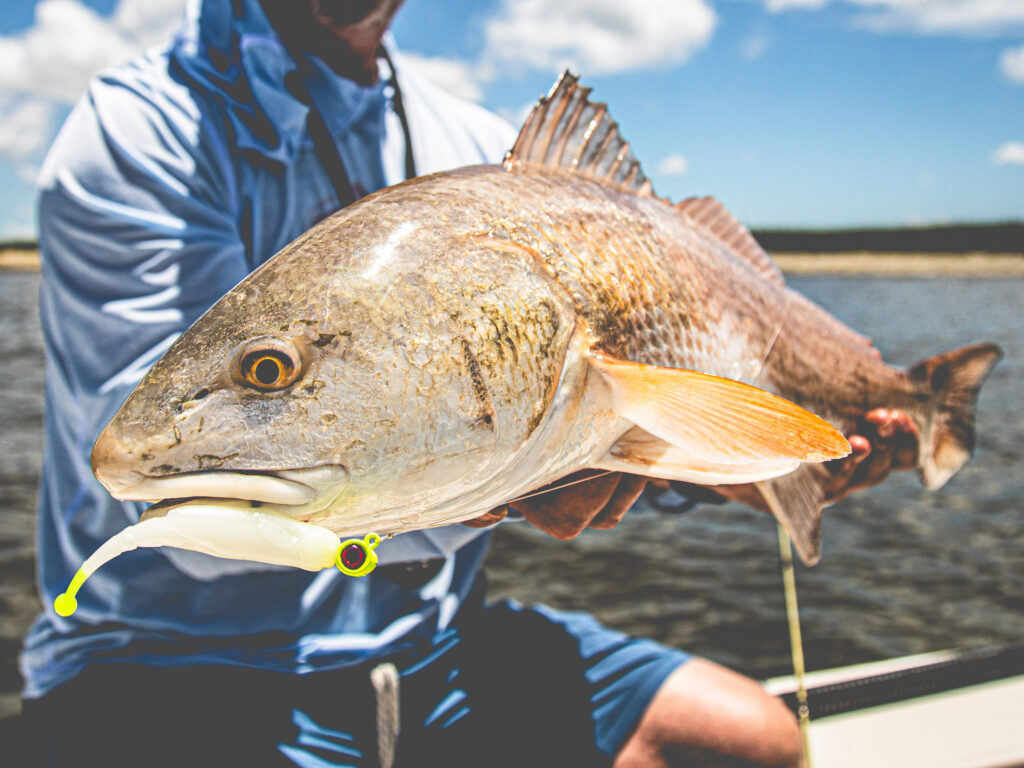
column 954, row 380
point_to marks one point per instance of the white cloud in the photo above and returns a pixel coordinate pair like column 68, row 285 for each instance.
column 1009, row 153
column 1012, row 64
column 752, row 48
column 672, row 165
column 455, row 76
column 55, row 58
column 48, row 66
column 24, row 127
column 943, row 16
column 517, row 115
column 598, row 36
column 147, row 22
column 970, row 17
column 775, row 6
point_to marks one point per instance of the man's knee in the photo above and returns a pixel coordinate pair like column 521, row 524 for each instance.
column 705, row 714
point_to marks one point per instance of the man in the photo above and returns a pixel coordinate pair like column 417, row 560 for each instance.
column 175, row 176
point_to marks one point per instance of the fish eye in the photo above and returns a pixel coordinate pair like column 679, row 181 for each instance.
column 269, row 364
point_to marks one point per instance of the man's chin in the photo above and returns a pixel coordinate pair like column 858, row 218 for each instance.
column 342, row 13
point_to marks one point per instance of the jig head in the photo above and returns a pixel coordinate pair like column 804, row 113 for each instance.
column 356, row 556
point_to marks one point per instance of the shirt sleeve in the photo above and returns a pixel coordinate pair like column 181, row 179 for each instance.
column 138, row 236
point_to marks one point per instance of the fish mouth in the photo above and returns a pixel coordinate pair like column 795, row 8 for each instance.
column 294, row 492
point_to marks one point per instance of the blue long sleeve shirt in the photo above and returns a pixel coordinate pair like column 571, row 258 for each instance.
column 175, row 176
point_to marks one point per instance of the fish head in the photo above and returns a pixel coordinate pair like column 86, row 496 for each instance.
column 360, row 381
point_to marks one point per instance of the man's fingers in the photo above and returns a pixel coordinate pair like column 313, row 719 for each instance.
column 895, row 431
column 885, row 439
column 742, row 493
column 628, row 491
column 876, row 469
column 496, row 515
column 842, row 470
column 907, row 439
column 565, row 512
column 883, row 421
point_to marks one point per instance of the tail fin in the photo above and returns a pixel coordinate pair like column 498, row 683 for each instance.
column 951, row 381
column 954, row 380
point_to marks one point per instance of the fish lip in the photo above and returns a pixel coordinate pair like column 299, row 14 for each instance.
column 296, row 487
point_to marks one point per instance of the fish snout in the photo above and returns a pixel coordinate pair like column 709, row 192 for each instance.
column 114, row 463
column 122, row 468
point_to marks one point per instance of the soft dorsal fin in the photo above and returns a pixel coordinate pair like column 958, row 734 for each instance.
column 727, row 228
column 567, row 130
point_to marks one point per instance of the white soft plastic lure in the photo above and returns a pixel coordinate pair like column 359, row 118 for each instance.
column 237, row 531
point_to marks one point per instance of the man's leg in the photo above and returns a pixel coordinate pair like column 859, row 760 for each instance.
column 707, row 715
column 130, row 715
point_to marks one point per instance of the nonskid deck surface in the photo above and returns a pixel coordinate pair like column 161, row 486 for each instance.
column 946, row 709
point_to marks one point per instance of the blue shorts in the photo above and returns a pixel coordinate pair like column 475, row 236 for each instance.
column 505, row 685
column 535, row 685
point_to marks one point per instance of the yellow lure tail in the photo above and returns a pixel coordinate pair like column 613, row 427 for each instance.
column 66, row 602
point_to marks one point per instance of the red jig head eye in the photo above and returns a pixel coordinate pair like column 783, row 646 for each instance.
column 356, row 556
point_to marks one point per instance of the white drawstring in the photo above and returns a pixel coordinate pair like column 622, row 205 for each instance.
column 384, row 678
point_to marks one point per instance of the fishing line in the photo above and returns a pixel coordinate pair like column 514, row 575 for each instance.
column 559, row 487
column 796, row 645
column 530, row 495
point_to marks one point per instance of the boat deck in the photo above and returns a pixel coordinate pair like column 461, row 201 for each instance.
column 941, row 710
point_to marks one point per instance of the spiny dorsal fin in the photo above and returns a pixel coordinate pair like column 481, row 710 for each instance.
column 713, row 215
column 567, row 130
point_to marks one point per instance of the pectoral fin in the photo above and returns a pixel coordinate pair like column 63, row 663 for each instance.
column 640, row 453
column 718, row 422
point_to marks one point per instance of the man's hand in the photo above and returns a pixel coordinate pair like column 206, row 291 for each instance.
column 599, row 502
column 882, row 441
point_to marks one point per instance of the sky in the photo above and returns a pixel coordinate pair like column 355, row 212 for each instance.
column 794, row 113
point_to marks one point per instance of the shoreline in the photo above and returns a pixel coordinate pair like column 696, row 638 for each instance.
column 864, row 263
column 844, row 264
column 19, row 260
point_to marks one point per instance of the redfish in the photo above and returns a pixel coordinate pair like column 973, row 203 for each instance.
column 450, row 343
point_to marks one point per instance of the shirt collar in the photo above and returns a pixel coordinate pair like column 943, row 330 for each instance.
column 229, row 49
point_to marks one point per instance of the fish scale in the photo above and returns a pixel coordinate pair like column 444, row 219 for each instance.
column 650, row 291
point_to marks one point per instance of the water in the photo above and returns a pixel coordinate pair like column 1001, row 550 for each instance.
column 904, row 571
column 21, row 443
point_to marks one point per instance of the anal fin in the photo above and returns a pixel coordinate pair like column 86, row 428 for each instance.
column 796, row 500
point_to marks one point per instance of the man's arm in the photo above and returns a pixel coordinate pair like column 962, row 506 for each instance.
column 138, row 237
